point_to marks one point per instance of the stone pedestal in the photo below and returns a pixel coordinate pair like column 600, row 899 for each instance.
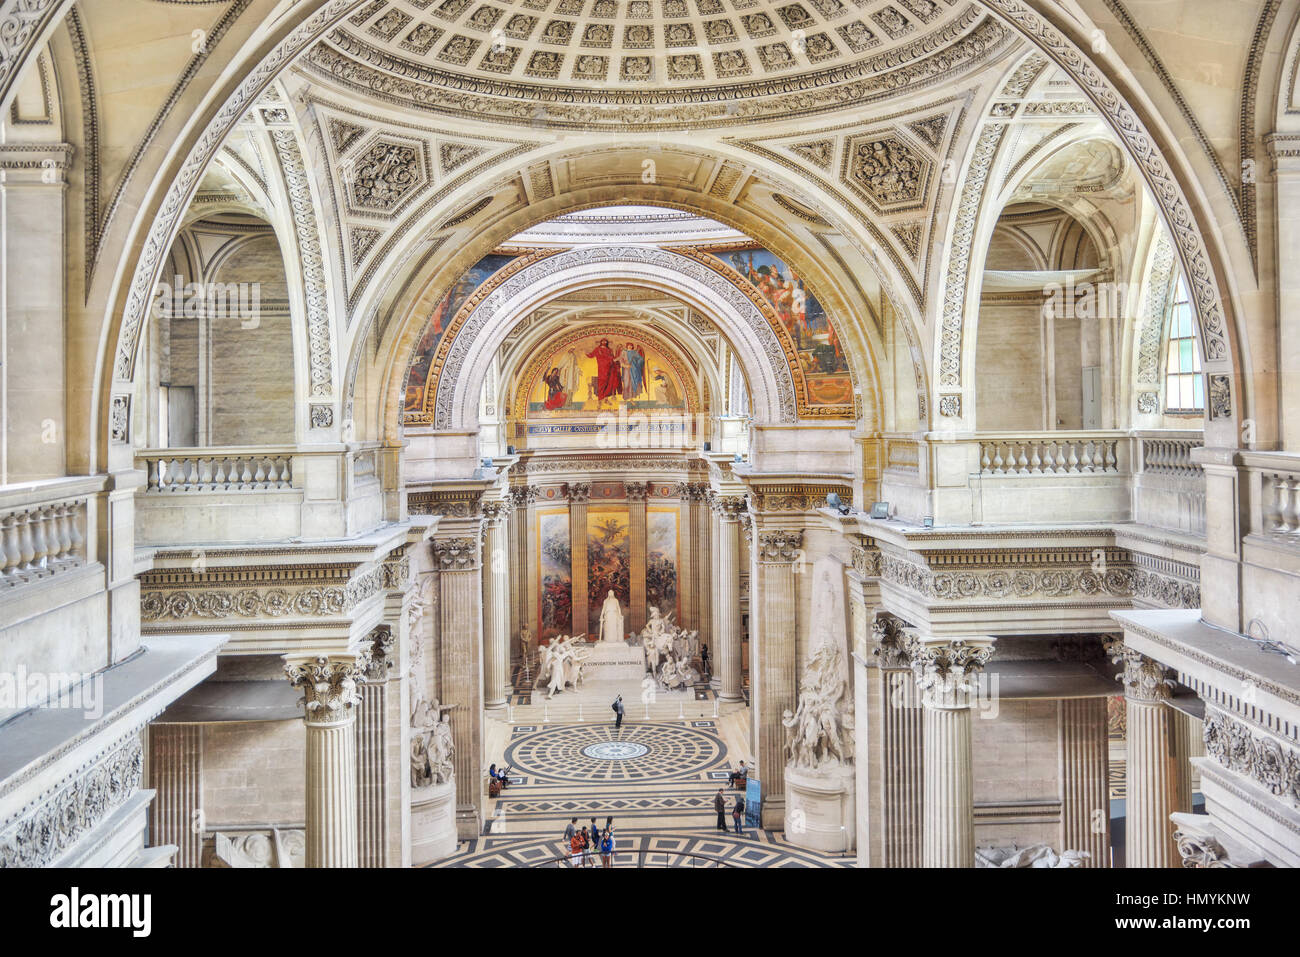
column 819, row 809
column 612, row 661
column 433, row 822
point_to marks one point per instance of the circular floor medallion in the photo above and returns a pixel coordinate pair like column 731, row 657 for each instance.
column 615, row 750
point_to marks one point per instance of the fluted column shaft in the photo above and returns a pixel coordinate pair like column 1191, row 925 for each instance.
column 330, row 697
column 460, row 669
column 578, row 494
column 946, row 672
column 727, row 645
column 1084, row 773
column 176, row 777
column 636, row 521
column 902, row 767
column 378, row 722
column 1151, row 769
column 701, row 516
column 496, row 608
column 773, row 607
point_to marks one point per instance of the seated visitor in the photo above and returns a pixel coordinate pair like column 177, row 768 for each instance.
column 738, row 777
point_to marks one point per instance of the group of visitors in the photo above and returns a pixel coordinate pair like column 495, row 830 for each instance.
column 584, row 843
column 737, row 811
column 498, row 781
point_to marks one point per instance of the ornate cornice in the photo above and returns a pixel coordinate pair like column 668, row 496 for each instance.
column 179, row 595
column 796, row 498
column 458, row 504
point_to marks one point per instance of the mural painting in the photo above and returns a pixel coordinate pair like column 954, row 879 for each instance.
column 461, row 290
column 603, row 373
column 821, row 359
column 609, row 562
column 555, row 570
column 661, row 559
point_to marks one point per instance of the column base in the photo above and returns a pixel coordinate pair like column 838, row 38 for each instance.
column 773, row 812
column 495, row 706
column 469, row 823
column 820, row 813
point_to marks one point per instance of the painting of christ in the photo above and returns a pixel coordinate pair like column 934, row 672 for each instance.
column 609, row 377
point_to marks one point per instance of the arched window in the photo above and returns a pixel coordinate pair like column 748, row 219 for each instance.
column 1184, row 388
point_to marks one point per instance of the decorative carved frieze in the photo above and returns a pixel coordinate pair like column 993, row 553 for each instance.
column 328, row 685
column 1144, row 679
column 779, row 546
column 49, row 826
column 1262, row 758
column 796, row 498
column 397, row 570
column 297, row 593
column 866, row 561
column 460, row 504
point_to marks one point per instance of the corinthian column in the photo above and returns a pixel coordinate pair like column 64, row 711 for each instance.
column 329, row 687
column 701, row 520
column 636, row 522
column 726, row 647
column 773, row 612
column 946, row 671
column 496, row 606
column 892, row 749
column 460, row 670
column 373, row 745
column 578, row 493
column 1151, row 772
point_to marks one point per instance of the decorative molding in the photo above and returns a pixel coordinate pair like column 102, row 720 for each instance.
column 1260, row 758
column 1153, row 321
column 166, row 596
column 1219, row 396
column 119, row 419
column 460, row 504
column 950, row 405
column 889, row 636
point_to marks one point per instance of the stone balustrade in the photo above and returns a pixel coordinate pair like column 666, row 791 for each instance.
column 1279, row 514
column 43, row 528
column 176, row 471
column 1170, row 453
column 1051, row 453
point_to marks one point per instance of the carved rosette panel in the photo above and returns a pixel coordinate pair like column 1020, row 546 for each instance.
column 328, row 685
column 1144, row 679
column 160, row 603
column 947, row 672
column 780, row 546
column 48, row 827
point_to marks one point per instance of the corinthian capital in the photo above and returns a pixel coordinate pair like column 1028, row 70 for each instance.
column 780, row 545
column 578, row 491
column 496, row 511
column 328, row 684
column 383, row 651
column 946, row 671
column 1144, row 679
column 889, row 635
column 455, row 554
column 728, row 507
column 637, row 491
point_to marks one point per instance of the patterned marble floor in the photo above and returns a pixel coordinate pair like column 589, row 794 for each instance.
column 656, row 779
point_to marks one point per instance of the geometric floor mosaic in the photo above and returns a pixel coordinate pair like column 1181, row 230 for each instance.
column 684, row 849
column 656, row 779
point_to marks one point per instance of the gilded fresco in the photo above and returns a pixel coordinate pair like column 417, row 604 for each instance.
column 464, row 287
column 822, row 361
column 609, row 562
column 554, row 565
column 603, row 373
column 661, row 559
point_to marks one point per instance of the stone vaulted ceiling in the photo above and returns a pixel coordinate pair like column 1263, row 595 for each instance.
column 630, row 63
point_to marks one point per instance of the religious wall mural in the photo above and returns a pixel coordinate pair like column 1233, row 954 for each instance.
column 603, row 373
column 555, row 593
column 609, row 562
column 661, row 559
column 464, row 287
column 821, row 359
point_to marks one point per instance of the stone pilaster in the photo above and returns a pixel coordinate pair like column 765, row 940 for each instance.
column 373, row 747
column 578, row 493
column 946, row 671
column 1151, row 770
column 891, row 743
column 773, row 671
column 636, row 520
column 687, row 559
column 329, row 687
column 726, row 647
column 496, row 606
column 517, row 535
column 701, row 519
column 460, row 669
column 176, row 777
column 1084, row 772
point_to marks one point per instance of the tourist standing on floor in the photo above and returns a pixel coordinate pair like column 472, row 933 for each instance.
column 568, row 839
column 704, row 661
column 607, row 848
column 578, row 846
column 618, row 712
column 595, row 837
column 738, row 813
column 720, row 805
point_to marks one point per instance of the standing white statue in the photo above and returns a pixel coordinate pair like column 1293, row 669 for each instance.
column 611, row 619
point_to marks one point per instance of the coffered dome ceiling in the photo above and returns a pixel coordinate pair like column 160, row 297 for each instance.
column 637, row 63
